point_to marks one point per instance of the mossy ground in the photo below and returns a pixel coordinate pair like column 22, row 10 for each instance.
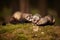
column 25, row 32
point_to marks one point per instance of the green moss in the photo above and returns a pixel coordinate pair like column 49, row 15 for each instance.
column 25, row 32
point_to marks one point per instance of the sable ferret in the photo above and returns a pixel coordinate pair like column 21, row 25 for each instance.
column 46, row 20
column 19, row 17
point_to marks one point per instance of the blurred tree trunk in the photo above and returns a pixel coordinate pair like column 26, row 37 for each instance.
column 14, row 5
column 42, row 7
column 57, row 7
column 24, row 6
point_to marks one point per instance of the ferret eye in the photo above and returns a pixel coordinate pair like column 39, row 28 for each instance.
column 27, row 16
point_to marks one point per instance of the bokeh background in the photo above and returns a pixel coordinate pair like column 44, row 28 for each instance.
column 44, row 7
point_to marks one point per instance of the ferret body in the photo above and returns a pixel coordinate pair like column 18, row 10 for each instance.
column 19, row 17
column 46, row 20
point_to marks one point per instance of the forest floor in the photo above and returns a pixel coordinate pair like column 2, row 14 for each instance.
column 26, row 32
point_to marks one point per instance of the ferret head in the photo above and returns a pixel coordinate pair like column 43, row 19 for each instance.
column 28, row 17
column 35, row 18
